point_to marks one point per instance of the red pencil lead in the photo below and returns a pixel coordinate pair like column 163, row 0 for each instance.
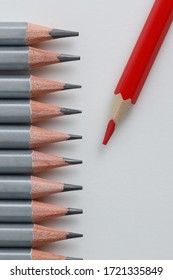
column 109, row 131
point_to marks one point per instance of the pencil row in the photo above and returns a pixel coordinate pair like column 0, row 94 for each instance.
column 20, row 213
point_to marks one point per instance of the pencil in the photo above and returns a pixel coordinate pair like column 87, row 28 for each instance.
column 30, row 235
column 32, row 211
column 30, row 254
column 30, row 187
column 28, row 86
column 15, row 111
column 140, row 62
column 24, row 34
column 30, row 162
column 28, row 137
column 28, row 58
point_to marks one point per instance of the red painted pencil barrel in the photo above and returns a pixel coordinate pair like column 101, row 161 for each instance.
column 146, row 50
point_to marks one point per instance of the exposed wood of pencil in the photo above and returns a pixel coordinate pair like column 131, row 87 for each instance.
column 43, row 187
column 44, row 211
column 120, row 108
column 37, row 34
column 40, row 86
column 42, row 162
column 43, row 235
column 42, row 111
column 41, row 255
column 41, row 137
column 38, row 57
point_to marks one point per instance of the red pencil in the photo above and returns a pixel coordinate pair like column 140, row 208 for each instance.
column 140, row 62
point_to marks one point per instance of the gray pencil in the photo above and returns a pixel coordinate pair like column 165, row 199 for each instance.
column 23, row 33
column 31, row 187
column 27, row 58
column 30, row 235
column 28, row 86
column 29, row 111
column 28, row 137
column 32, row 211
column 30, row 162
column 30, row 254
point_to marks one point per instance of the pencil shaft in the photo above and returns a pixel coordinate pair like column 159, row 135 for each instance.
column 15, row 137
column 13, row 33
column 15, row 187
column 14, row 211
column 15, row 254
column 145, row 50
column 15, row 86
column 15, row 111
column 16, row 235
column 16, row 162
column 14, row 58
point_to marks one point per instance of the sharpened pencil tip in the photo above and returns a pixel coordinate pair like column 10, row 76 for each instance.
column 69, row 187
column 71, row 258
column 74, row 235
column 74, row 137
column 67, row 57
column 74, row 211
column 72, row 161
column 58, row 33
column 67, row 111
column 71, row 86
column 109, row 131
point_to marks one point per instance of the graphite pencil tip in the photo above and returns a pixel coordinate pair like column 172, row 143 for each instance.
column 73, row 235
column 74, row 137
column 67, row 57
column 72, row 161
column 74, row 211
column 58, row 33
column 67, row 111
column 109, row 131
column 73, row 259
column 71, row 86
column 69, row 187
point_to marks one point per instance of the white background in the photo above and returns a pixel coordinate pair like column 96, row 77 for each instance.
column 128, row 185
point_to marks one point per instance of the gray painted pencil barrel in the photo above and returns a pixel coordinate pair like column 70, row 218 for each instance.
column 15, row 254
column 13, row 33
column 15, row 111
column 15, row 187
column 15, row 162
column 15, row 211
column 14, row 137
column 14, row 58
column 12, row 86
column 16, row 235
